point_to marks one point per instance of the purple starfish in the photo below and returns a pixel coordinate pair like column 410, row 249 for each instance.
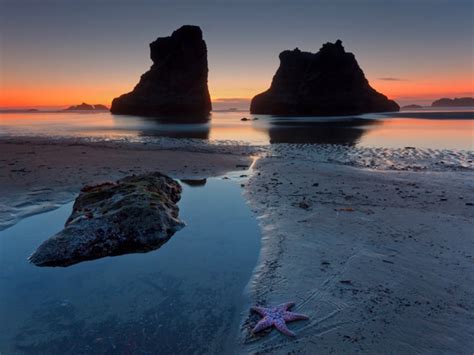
column 277, row 317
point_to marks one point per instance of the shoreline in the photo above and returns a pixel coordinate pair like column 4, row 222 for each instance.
column 38, row 175
column 377, row 259
column 343, row 219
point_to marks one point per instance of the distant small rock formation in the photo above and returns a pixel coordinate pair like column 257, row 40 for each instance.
column 411, row 107
column 230, row 109
column 176, row 82
column 18, row 110
column 87, row 107
column 101, row 107
column 135, row 214
column 456, row 102
column 327, row 83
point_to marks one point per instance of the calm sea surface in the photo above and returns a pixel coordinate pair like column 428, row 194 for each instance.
column 436, row 129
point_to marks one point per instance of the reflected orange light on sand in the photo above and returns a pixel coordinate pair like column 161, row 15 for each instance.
column 236, row 134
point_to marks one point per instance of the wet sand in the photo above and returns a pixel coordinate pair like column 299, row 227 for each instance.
column 375, row 245
column 382, row 261
column 37, row 175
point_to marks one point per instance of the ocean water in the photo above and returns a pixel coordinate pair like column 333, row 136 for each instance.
column 432, row 129
column 185, row 297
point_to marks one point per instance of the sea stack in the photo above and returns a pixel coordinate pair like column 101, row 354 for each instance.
column 176, row 83
column 327, row 83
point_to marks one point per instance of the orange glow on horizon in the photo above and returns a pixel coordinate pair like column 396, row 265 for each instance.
column 53, row 96
column 424, row 89
column 37, row 96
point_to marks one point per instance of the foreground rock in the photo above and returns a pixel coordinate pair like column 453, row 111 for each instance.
column 456, row 102
column 134, row 214
column 326, row 83
column 176, row 82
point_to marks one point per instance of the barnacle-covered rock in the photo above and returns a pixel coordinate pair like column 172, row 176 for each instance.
column 136, row 214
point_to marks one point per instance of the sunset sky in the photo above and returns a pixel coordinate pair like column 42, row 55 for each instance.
column 63, row 52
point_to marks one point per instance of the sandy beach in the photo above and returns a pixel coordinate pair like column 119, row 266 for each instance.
column 379, row 256
column 381, row 261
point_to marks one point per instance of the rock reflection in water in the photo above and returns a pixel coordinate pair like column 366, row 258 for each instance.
column 302, row 130
column 194, row 127
column 194, row 182
column 345, row 131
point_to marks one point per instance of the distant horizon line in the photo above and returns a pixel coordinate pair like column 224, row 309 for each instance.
column 229, row 101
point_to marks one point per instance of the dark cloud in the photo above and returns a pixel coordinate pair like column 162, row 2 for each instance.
column 233, row 99
column 235, row 102
column 392, row 79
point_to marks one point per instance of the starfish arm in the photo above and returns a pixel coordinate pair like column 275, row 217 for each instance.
column 281, row 326
column 259, row 310
column 262, row 324
column 285, row 306
column 290, row 316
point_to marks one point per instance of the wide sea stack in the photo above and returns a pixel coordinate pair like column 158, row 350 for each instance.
column 327, row 83
column 136, row 214
column 176, row 83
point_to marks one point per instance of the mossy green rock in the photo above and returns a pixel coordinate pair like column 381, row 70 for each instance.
column 135, row 214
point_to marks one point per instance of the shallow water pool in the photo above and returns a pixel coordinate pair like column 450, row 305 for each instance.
column 185, row 297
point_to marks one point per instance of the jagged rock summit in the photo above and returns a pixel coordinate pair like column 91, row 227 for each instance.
column 176, row 83
column 327, row 83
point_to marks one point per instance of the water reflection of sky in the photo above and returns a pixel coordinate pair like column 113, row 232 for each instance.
column 183, row 298
column 427, row 129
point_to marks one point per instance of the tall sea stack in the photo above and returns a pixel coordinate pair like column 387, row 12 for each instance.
column 327, row 83
column 176, row 83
